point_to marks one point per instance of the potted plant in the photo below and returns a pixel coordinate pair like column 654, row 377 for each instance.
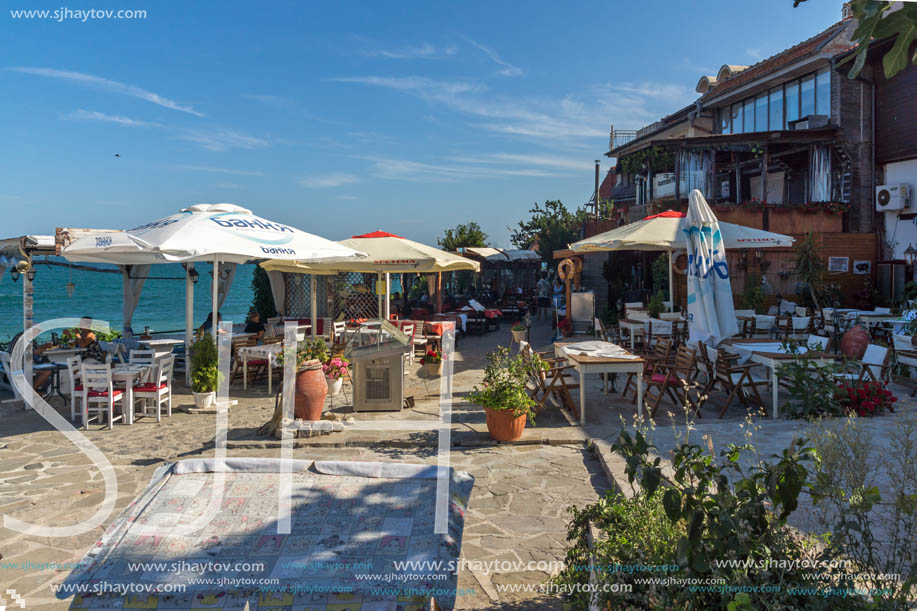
column 655, row 306
column 335, row 370
column 503, row 396
column 205, row 374
column 519, row 331
column 433, row 361
column 311, row 388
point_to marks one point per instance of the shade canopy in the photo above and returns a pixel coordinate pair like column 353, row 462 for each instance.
column 711, row 313
column 204, row 232
column 665, row 231
column 385, row 253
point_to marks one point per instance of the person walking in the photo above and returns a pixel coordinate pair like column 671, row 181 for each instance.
column 544, row 296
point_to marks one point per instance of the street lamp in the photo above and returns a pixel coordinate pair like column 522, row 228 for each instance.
column 910, row 254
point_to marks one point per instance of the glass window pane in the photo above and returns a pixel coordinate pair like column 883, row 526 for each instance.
column 792, row 101
column 761, row 113
column 777, row 109
column 807, row 97
column 823, row 92
column 725, row 120
column 749, row 122
column 737, row 119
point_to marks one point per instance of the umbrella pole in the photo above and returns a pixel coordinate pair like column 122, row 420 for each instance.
column 214, row 293
column 388, row 295
column 189, row 320
column 313, row 290
column 671, row 282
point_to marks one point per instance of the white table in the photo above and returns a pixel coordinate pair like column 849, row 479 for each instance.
column 598, row 364
column 161, row 346
column 128, row 375
column 770, row 354
column 267, row 352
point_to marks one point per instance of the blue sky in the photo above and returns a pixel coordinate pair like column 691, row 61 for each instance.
column 346, row 117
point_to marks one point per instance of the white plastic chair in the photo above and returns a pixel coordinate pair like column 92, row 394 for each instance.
column 74, row 370
column 800, row 311
column 408, row 329
column 745, row 312
column 8, row 369
column 158, row 390
column 99, row 394
column 882, row 310
column 903, row 343
column 146, row 358
column 633, row 304
column 340, row 332
column 873, row 366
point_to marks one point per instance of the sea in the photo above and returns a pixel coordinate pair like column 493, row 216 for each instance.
column 161, row 307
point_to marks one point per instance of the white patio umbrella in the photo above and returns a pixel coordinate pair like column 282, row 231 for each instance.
column 711, row 313
column 386, row 253
column 219, row 233
column 665, row 232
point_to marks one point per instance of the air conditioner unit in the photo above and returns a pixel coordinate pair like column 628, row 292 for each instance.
column 893, row 197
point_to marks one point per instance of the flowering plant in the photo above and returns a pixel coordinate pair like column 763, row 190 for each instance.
column 432, row 357
column 865, row 398
column 335, row 369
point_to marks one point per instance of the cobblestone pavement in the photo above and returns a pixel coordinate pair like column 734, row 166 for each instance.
column 517, row 512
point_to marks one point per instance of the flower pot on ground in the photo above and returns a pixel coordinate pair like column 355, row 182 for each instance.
column 506, row 402
column 335, row 370
column 311, row 388
column 854, row 342
column 433, row 362
column 334, row 385
column 519, row 332
column 205, row 375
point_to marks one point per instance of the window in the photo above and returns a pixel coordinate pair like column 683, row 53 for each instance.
column 737, row 119
column 792, row 102
column 823, row 92
column 776, row 108
column 761, row 113
column 748, row 124
column 725, row 120
column 807, row 97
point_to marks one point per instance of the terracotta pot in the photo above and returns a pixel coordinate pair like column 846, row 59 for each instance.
column 854, row 342
column 504, row 424
column 434, row 369
column 311, row 391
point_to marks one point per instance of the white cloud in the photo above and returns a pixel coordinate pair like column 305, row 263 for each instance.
column 86, row 115
column 755, row 54
column 424, row 51
column 567, row 120
column 506, row 68
column 416, row 171
column 228, row 185
column 328, row 181
column 547, row 161
column 270, row 100
column 222, row 139
column 109, row 85
column 200, row 168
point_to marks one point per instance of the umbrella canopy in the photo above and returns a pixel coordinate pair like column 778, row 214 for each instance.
column 204, row 232
column 385, row 253
column 665, row 231
column 711, row 313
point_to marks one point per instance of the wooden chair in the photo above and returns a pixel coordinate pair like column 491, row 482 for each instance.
column 670, row 377
column 157, row 391
column 555, row 383
column 737, row 380
column 254, row 365
column 339, row 332
column 408, row 327
column 99, row 394
column 661, row 353
column 906, row 358
column 874, row 366
column 763, row 325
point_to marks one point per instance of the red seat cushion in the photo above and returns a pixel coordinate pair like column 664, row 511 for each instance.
column 104, row 393
column 257, row 362
column 150, row 387
column 78, row 388
column 659, row 378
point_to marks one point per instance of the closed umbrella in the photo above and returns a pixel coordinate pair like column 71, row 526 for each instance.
column 711, row 313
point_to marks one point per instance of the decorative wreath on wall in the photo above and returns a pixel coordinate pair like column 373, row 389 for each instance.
column 680, row 263
column 566, row 269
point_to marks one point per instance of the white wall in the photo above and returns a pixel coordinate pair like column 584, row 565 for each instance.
column 899, row 232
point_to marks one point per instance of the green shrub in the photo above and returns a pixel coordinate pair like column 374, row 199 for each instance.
column 656, row 305
column 205, row 374
column 504, row 383
column 308, row 350
column 753, row 297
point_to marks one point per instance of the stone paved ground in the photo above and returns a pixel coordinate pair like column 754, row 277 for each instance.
column 517, row 512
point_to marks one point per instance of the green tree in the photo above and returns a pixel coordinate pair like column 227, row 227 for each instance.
column 551, row 227
column 464, row 235
column 262, row 297
column 876, row 21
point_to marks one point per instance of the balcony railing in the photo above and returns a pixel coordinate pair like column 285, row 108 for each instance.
column 620, row 137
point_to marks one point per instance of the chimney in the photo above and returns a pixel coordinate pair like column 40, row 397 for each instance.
column 846, row 11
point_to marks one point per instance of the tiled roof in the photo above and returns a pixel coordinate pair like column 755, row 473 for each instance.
column 784, row 58
column 605, row 188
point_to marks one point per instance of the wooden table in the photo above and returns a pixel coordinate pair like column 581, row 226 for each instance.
column 772, row 360
column 599, row 364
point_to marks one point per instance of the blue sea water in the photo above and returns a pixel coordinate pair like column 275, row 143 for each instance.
column 161, row 307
